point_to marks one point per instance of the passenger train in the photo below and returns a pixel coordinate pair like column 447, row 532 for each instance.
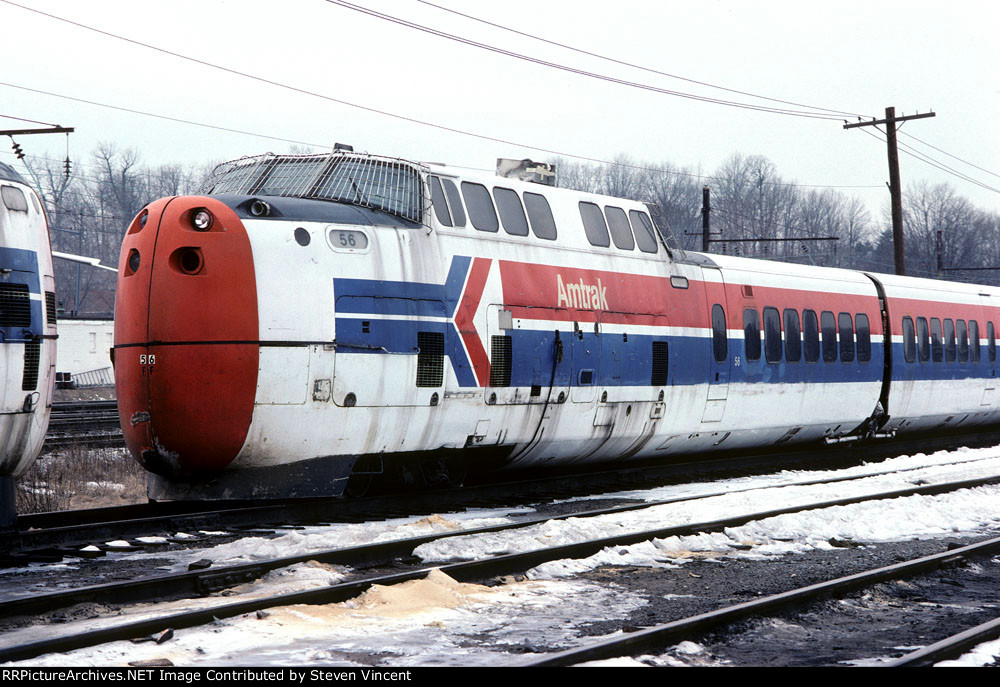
column 27, row 332
column 313, row 322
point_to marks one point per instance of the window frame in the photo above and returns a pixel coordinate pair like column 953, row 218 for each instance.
column 598, row 232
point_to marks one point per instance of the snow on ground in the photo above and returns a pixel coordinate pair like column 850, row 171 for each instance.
column 435, row 621
column 320, row 538
column 968, row 511
column 985, row 654
column 438, row 621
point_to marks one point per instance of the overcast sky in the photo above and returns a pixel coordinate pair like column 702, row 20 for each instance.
column 848, row 56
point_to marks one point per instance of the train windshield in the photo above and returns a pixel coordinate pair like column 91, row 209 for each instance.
column 393, row 186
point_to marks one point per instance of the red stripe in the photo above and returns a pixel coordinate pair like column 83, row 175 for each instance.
column 465, row 315
column 544, row 292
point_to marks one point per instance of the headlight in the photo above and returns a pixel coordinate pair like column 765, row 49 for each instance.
column 201, row 219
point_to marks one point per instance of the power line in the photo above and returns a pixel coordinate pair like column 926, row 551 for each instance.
column 575, row 70
column 628, row 64
column 31, row 121
column 937, row 164
column 584, row 158
column 158, row 116
column 341, row 102
column 955, row 157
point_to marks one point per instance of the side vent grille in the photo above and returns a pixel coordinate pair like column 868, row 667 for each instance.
column 659, row 364
column 50, row 307
column 15, row 305
column 430, row 359
column 32, row 356
column 500, row 361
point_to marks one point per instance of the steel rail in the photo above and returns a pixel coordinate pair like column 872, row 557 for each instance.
column 951, row 647
column 463, row 571
column 46, row 531
column 200, row 582
column 655, row 638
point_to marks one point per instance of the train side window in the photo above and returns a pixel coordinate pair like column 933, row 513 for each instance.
column 772, row 335
column 963, row 341
column 909, row 340
column 643, row 230
column 430, row 359
column 511, row 213
column 937, row 347
column 991, row 342
column 829, row 327
column 720, row 345
column 621, row 232
column 594, row 225
column 439, row 203
column 949, row 340
column 846, row 331
column 14, row 199
column 480, row 204
column 810, row 335
column 660, row 364
column 923, row 340
column 793, row 340
column 751, row 333
column 974, row 353
column 455, row 200
column 864, row 337
column 542, row 224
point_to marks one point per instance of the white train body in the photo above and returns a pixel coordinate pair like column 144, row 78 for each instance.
column 351, row 314
column 27, row 329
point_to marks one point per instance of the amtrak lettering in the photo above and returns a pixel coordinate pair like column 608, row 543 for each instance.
column 582, row 295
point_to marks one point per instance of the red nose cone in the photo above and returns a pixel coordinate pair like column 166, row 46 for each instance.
column 186, row 337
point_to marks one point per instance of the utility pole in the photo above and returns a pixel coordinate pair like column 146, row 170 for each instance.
column 706, row 208
column 895, row 190
column 939, row 249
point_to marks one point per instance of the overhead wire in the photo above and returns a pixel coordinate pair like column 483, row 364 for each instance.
column 576, row 70
column 628, row 64
column 303, row 91
column 926, row 159
column 24, row 119
column 944, row 152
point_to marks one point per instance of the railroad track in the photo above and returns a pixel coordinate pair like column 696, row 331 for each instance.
column 84, row 423
column 398, row 556
column 48, row 537
column 659, row 637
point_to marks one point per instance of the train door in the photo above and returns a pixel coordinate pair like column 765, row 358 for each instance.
column 987, row 354
column 718, row 353
column 586, row 345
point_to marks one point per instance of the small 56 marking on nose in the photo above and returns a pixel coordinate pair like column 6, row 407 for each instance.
column 146, row 362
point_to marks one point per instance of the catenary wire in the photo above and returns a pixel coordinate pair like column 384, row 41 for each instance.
column 575, row 70
column 628, row 64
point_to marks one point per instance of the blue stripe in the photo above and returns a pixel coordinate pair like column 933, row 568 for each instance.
column 23, row 269
column 917, row 371
column 374, row 296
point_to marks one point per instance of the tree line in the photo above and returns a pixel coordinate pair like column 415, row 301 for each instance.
column 751, row 203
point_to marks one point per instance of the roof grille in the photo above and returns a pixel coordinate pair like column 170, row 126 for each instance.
column 370, row 181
